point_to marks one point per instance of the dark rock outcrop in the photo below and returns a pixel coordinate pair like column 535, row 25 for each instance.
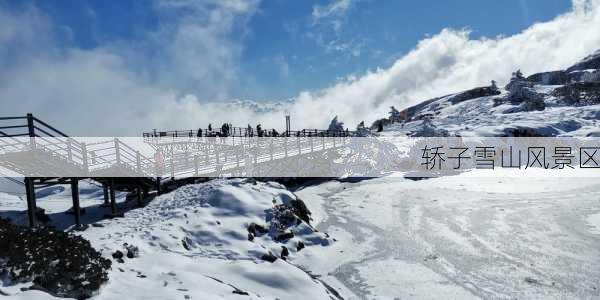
column 284, row 252
column 57, row 262
column 579, row 93
column 590, row 62
column 301, row 210
column 256, row 229
column 132, row 251
column 550, row 78
column 474, row 93
column 269, row 257
column 300, row 246
column 284, row 236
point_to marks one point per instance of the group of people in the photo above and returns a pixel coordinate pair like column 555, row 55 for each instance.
column 260, row 132
column 227, row 130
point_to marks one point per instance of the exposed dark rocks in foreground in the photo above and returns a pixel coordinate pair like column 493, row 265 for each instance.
column 62, row 264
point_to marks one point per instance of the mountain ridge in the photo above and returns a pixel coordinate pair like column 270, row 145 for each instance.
column 554, row 103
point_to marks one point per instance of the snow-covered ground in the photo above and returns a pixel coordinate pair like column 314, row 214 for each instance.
column 461, row 238
column 453, row 237
column 193, row 243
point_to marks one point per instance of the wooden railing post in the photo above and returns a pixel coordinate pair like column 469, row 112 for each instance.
column 69, row 150
column 172, row 167
column 256, row 151
column 138, row 162
column 31, row 131
column 84, row 158
column 206, row 149
column 117, row 152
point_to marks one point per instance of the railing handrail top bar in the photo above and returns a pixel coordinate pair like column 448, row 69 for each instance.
column 13, row 118
column 50, row 127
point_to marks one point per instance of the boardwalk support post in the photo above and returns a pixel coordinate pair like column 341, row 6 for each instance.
column 140, row 197
column 75, row 196
column 158, row 185
column 113, row 200
column 31, row 208
column 105, row 190
column 138, row 162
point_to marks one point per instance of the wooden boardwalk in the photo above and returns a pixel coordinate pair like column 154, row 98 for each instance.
column 27, row 143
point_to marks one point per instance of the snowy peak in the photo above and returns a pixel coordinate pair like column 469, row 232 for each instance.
column 555, row 103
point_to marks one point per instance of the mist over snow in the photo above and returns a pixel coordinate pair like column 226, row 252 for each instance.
column 114, row 90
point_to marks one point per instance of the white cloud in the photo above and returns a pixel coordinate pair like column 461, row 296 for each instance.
column 450, row 61
column 114, row 89
column 335, row 9
column 98, row 91
column 328, row 22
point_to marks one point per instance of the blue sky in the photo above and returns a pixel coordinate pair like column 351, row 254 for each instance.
column 132, row 65
column 286, row 46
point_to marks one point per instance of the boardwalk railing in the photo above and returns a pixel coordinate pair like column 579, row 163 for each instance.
column 29, row 135
column 245, row 132
column 231, row 156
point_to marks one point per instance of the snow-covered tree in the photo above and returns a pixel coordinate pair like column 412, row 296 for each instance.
column 394, row 113
column 429, row 129
column 517, row 75
column 361, row 130
column 336, row 125
column 494, row 86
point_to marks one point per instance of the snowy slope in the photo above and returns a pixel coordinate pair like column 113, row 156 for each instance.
column 558, row 103
column 193, row 243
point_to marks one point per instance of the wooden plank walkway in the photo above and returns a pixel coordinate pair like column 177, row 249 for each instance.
column 27, row 143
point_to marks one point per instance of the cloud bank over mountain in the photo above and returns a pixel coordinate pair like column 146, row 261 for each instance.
column 113, row 90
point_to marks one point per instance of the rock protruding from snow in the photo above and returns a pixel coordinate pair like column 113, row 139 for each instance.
column 251, row 217
column 550, row 78
column 579, row 93
column 590, row 62
column 475, row 93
